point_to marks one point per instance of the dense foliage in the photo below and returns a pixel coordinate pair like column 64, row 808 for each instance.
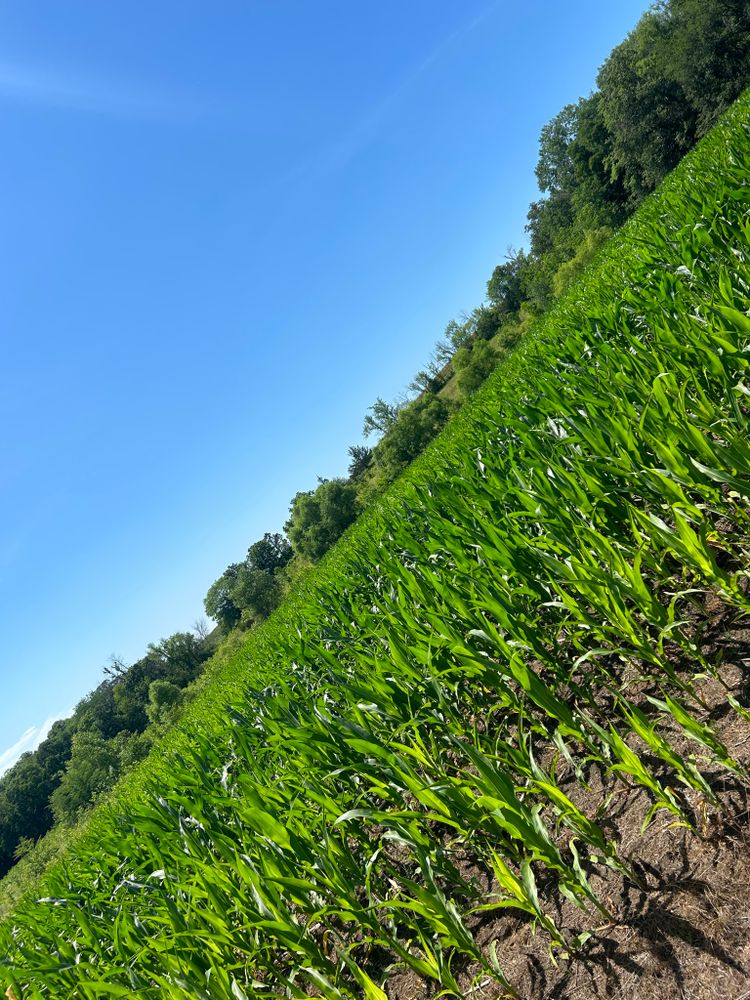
column 402, row 722
column 82, row 757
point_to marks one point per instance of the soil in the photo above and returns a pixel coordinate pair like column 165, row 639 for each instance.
column 682, row 931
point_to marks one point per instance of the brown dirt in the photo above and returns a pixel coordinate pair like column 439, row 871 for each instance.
column 683, row 933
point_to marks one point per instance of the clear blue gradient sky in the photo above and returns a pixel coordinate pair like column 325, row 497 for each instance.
column 225, row 229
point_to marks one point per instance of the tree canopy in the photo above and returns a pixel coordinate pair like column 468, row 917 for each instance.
column 318, row 517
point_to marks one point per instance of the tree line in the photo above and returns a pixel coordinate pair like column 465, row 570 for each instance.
column 657, row 94
column 110, row 730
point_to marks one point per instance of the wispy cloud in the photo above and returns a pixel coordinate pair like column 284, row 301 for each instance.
column 338, row 153
column 460, row 32
column 30, row 740
column 65, row 91
column 10, row 756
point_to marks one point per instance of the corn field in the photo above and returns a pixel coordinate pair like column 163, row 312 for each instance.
column 526, row 603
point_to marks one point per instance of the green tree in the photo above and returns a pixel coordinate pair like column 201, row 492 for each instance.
column 133, row 748
column 318, row 517
column 93, row 768
column 485, row 321
column 582, row 194
column 24, row 792
column 555, row 171
column 709, row 54
column 598, row 195
column 178, row 658
column 360, row 460
column 256, row 592
column 257, row 588
column 219, row 603
column 457, row 334
column 473, row 365
column 380, row 418
column 250, row 589
column 646, row 110
column 417, row 425
column 164, row 700
column 505, row 289
column 271, row 553
column 429, row 379
column 131, row 692
column 97, row 712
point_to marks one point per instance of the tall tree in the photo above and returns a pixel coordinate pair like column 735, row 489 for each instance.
column 360, row 460
column 256, row 593
column 93, row 768
column 270, row 554
column 318, row 517
column 505, row 289
column 709, row 54
column 178, row 658
column 645, row 107
column 219, row 602
column 380, row 417
column 417, row 425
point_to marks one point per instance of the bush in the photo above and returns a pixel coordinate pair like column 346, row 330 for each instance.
column 472, row 365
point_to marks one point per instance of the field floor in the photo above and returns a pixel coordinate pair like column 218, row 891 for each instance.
column 684, row 933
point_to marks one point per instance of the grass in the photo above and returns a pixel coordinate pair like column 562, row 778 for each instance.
column 527, row 599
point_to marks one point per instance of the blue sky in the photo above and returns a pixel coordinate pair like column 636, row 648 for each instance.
column 224, row 231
